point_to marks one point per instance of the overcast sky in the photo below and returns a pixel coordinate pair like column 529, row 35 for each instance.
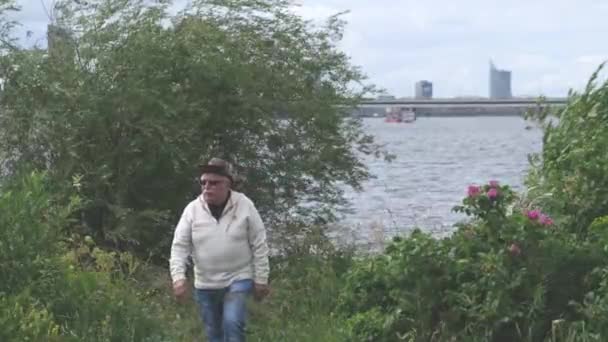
column 549, row 45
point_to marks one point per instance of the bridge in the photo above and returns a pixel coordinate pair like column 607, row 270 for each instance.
column 466, row 102
column 460, row 106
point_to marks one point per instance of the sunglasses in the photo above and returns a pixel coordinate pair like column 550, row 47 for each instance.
column 204, row 182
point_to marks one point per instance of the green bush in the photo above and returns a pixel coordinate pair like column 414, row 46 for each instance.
column 133, row 105
column 84, row 293
column 21, row 319
column 511, row 272
column 593, row 307
column 569, row 177
column 89, row 304
column 504, row 276
column 52, row 291
column 306, row 283
column 30, row 223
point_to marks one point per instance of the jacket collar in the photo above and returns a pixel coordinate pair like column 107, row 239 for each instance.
column 232, row 200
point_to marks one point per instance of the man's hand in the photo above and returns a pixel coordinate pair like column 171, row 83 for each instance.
column 260, row 291
column 180, row 290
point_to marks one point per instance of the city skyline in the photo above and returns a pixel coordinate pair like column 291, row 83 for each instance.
column 499, row 83
column 549, row 46
column 424, row 89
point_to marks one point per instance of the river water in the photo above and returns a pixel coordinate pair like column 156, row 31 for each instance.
column 436, row 160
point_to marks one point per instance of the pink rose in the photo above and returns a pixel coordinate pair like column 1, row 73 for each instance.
column 492, row 193
column 533, row 214
column 545, row 220
column 514, row 250
column 473, row 190
column 494, row 184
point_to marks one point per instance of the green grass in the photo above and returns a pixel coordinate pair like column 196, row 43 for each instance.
column 304, row 294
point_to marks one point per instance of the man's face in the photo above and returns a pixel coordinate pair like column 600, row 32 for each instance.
column 215, row 188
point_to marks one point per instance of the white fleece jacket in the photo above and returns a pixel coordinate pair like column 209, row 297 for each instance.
column 232, row 249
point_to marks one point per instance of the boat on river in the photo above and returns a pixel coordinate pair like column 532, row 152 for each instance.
column 400, row 114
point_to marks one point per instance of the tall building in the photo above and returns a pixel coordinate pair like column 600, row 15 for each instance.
column 385, row 97
column 500, row 83
column 424, row 90
column 61, row 47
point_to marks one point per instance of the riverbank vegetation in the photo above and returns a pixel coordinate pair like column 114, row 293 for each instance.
column 105, row 127
column 524, row 267
column 101, row 133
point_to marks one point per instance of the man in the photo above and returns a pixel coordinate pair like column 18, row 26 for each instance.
column 224, row 234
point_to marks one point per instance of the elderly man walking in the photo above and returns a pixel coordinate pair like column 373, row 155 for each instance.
column 223, row 232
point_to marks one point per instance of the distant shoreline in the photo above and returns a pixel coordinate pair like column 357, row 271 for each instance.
column 453, row 115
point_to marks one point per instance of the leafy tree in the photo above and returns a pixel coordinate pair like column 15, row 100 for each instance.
column 130, row 98
column 569, row 177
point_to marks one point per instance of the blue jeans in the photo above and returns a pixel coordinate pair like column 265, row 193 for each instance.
column 224, row 311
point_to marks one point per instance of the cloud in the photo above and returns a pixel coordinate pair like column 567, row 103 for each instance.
column 451, row 42
column 33, row 17
column 549, row 45
column 592, row 59
column 315, row 12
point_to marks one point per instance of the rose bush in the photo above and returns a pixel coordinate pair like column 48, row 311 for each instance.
column 504, row 275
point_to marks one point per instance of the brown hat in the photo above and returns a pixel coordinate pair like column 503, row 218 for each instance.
column 219, row 167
